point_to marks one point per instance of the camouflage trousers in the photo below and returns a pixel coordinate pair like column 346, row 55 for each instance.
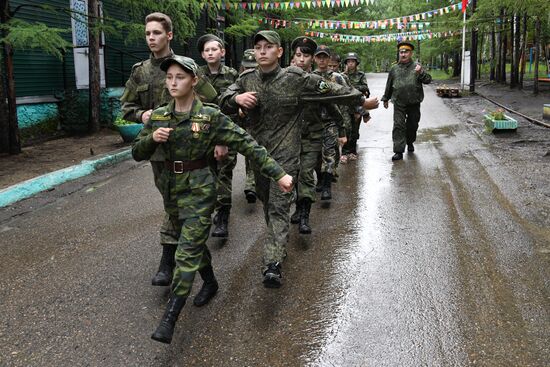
column 330, row 149
column 192, row 253
column 250, row 183
column 277, row 217
column 224, row 179
column 405, row 125
column 353, row 136
column 166, row 228
column 309, row 158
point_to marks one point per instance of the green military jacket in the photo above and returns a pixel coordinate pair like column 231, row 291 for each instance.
column 196, row 133
column 404, row 84
column 220, row 81
column 343, row 123
column 276, row 121
column 358, row 80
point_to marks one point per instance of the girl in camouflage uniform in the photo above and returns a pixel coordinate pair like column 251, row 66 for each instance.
column 187, row 131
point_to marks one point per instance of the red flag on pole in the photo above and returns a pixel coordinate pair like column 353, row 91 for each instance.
column 464, row 5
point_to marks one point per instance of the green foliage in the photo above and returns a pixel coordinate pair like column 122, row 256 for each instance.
column 244, row 28
column 24, row 35
column 497, row 114
column 184, row 15
column 120, row 121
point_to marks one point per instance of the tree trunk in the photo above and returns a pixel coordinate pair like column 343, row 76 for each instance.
column 12, row 144
column 499, row 47
column 480, row 56
column 457, row 64
column 523, row 51
column 537, row 55
column 473, row 54
column 492, row 74
column 513, row 51
column 94, row 67
column 504, row 49
column 446, row 63
column 517, row 47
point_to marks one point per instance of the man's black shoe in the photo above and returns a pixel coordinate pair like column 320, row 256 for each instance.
column 165, row 330
column 272, row 276
column 410, row 147
column 397, row 157
column 250, row 196
column 304, row 227
column 221, row 229
column 163, row 277
column 295, row 217
column 209, row 287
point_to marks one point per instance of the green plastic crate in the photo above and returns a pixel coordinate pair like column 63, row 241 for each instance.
column 508, row 124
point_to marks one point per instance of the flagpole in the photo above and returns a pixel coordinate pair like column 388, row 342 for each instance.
column 462, row 73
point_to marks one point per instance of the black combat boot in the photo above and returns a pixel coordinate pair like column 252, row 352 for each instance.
column 209, row 286
column 326, row 193
column 397, row 157
column 163, row 277
column 304, row 227
column 295, row 218
column 250, row 196
column 221, row 229
column 272, row 276
column 165, row 330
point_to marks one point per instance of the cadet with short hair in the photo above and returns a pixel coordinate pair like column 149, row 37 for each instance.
column 274, row 99
column 212, row 50
column 358, row 80
column 312, row 138
column 404, row 88
column 146, row 90
column 187, row 131
column 248, row 62
column 334, row 133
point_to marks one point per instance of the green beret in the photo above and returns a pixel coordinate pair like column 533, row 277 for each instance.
column 306, row 45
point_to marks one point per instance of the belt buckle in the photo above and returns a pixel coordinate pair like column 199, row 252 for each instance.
column 176, row 164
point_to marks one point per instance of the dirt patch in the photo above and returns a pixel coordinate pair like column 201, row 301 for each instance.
column 56, row 154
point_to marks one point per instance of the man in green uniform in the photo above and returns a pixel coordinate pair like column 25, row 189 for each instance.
column 220, row 76
column 248, row 62
column 334, row 133
column 359, row 81
column 145, row 91
column 404, row 88
column 274, row 99
column 187, row 132
column 313, row 128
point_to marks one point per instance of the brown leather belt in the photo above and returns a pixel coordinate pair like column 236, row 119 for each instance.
column 185, row 166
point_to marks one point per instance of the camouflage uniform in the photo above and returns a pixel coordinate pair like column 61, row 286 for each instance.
column 277, row 125
column 190, row 195
column 333, row 129
column 220, row 81
column 404, row 88
column 358, row 80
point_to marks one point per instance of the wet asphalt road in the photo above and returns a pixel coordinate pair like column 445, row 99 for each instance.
column 424, row 262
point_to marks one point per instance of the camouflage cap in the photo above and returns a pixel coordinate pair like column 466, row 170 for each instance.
column 269, row 36
column 405, row 45
column 207, row 38
column 249, row 59
column 306, row 44
column 322, row 49
column 188, row 64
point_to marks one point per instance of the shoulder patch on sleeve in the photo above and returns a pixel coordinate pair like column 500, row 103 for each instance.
column 323, row 86
column 246, row 72
column 137, row 65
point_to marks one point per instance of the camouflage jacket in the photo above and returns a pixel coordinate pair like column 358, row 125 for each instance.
column 195, row 134
column 404, row 84
column 220, row 81
column 145, row 90
column 343, row 123
column 277, row 117
column 358, row 80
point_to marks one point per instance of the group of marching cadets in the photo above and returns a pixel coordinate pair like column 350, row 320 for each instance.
column 289, row 123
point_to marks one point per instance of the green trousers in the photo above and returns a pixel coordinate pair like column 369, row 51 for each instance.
column 405, row 125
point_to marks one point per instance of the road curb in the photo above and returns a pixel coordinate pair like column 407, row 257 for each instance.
column 48, row 181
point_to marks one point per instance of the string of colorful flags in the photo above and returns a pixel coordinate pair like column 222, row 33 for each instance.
column 284, row 5
column 404, row 36
column 281, row 23
column 398, row 22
